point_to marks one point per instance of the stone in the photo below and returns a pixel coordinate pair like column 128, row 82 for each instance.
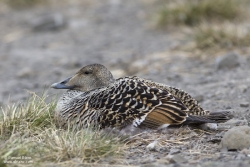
column 174, row 151
column 236, row 138
column 152, row 146
column 209, row 126
column 228, row 61
column 177, row 159
column 244, row 104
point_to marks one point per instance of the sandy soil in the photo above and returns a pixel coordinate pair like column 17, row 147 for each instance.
column 119, row 34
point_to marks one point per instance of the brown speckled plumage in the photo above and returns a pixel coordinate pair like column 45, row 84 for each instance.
column 96, row 98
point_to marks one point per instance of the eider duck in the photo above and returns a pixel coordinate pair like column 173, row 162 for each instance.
column 95, row 98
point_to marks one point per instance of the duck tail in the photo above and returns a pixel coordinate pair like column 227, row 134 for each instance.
column 212, row 117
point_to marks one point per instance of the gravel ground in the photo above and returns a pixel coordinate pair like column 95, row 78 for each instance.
column 40, row 46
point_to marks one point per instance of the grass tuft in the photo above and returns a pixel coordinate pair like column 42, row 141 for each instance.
column 221, row 37
column 195, row 11
column 29, row 130
column 36, row 113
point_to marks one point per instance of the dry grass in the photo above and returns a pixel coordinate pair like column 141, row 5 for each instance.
column 214, row 25
column 28, row 130
column 24, row 3
column 195, row 11
column 224, row 36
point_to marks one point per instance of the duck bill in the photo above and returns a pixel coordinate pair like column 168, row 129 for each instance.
column 62, row 84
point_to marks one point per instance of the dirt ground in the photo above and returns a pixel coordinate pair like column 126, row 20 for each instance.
column 119, row 34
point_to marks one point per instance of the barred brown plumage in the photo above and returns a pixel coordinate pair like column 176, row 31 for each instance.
column 96, row 98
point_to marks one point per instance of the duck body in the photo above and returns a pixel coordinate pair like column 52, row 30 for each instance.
column 127, row 101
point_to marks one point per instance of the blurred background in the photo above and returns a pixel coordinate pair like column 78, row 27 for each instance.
column 201, row 46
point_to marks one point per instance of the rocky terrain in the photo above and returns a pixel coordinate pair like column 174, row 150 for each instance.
column 43, row 45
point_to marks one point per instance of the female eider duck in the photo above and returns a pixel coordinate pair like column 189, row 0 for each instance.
column 96, row 98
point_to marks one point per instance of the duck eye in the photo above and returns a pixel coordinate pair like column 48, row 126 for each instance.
column 86, row 72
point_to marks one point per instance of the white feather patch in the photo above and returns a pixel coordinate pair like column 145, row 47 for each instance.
column 138, row 121
column 163, row 126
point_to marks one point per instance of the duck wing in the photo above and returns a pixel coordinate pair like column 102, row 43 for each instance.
column 129, row 101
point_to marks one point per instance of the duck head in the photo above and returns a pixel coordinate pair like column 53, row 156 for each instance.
column 89, row 77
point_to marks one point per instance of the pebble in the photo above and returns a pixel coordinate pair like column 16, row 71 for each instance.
column 244, row 104
column 228, row 107
column 229, row 60
column 174, row 151
column 176, row 158
column 209, row 126
column 236, row 138
column 152, row 146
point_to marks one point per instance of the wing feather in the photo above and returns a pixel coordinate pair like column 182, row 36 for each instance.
column 171, row 112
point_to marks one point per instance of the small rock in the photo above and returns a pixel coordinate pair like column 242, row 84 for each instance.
column 174, row 151
column 230, row 60
column 152, row 146
column 244, row 104
column 176, row 159
column 236, row 138
column 49, row 22
column 228, row 107
column 209, row 126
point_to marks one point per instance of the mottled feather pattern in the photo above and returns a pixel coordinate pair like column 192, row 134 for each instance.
column 187, row 100
column 124, row 102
